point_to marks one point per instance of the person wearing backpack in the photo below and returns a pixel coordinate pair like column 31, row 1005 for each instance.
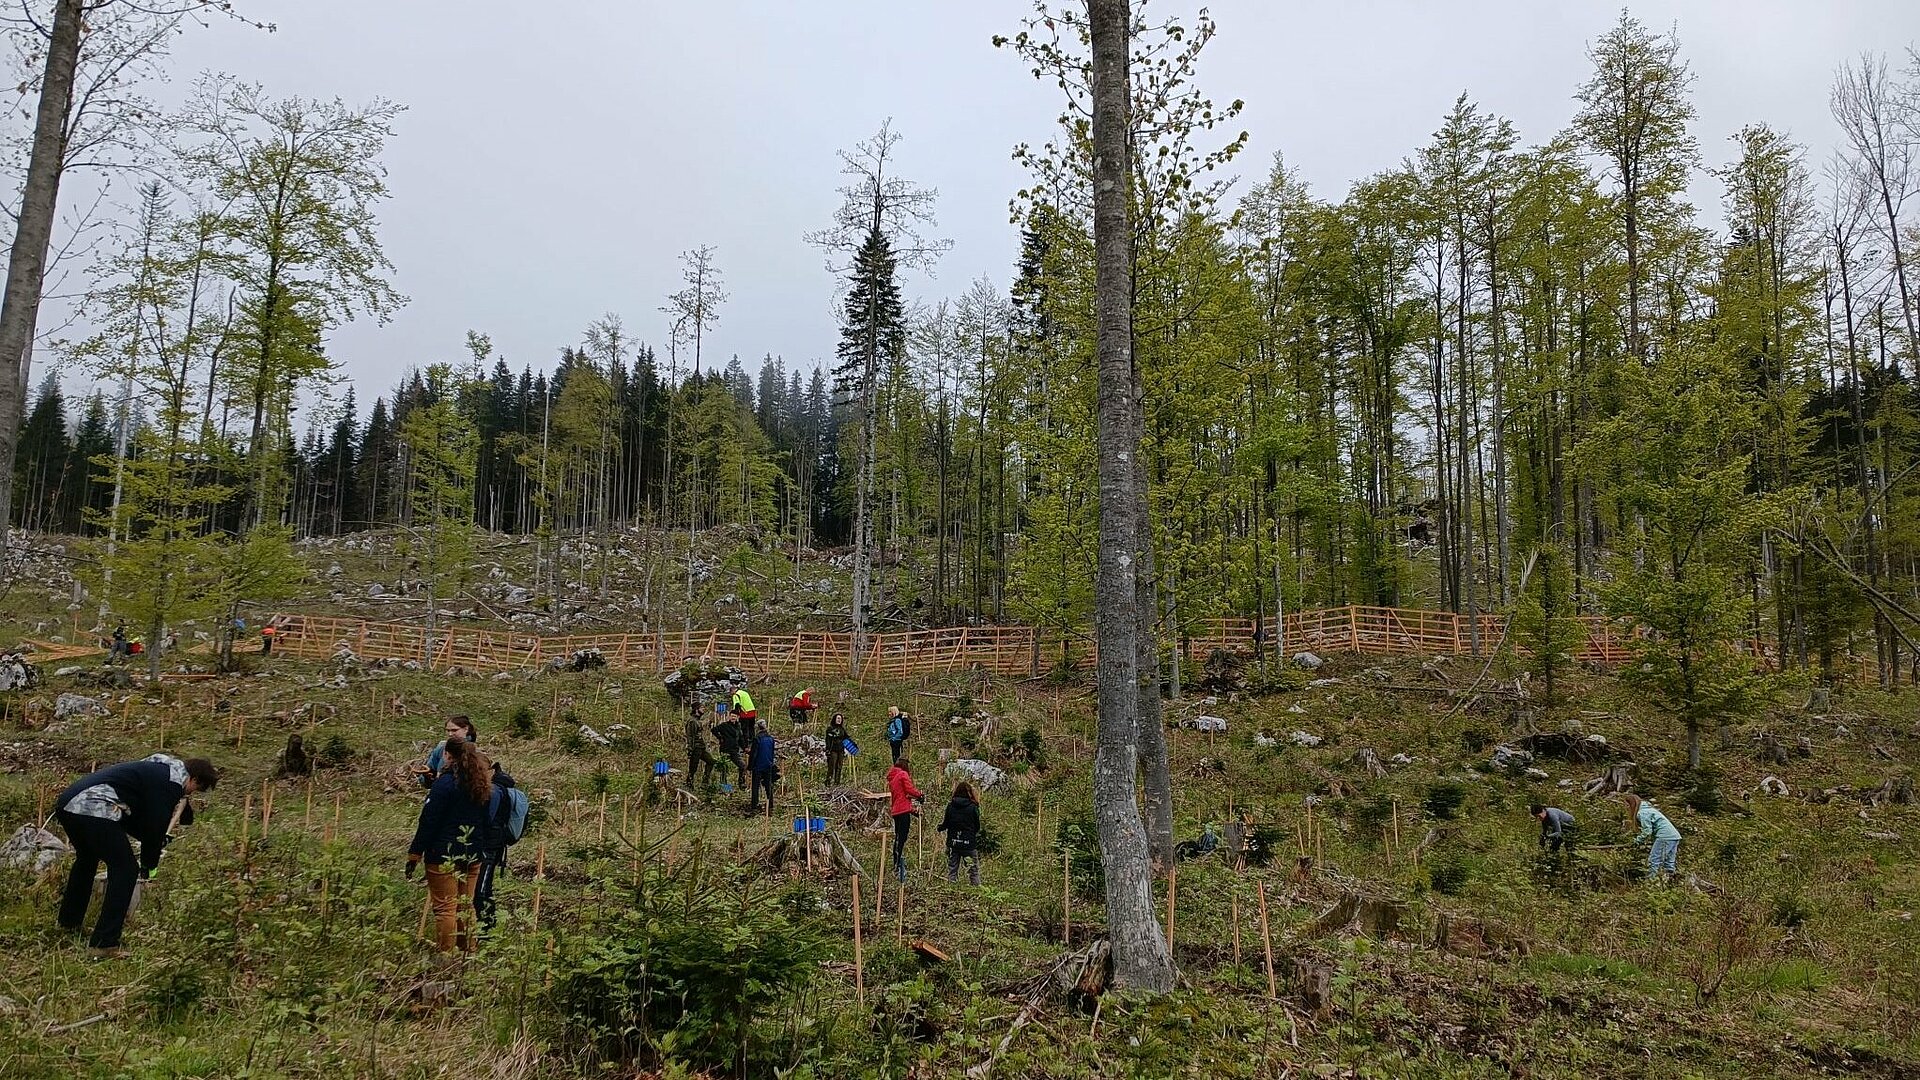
column 101, row 812
column 452, row 840
column 836, row 737
column 906, row 799
column 899, row 730
column 962, row 828
column 507, row 820
column 764, row 769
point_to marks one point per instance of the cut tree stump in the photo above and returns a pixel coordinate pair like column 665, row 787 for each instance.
column 1314, row 984
column 1373, row 916
column 1617, row 779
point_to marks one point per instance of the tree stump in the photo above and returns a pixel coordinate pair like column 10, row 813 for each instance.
column 1314, row 984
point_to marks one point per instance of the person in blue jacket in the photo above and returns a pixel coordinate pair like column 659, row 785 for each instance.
column 100, row 813
column 453, row 839
column 1663, row 839
column 761, row 764
column 429, row 770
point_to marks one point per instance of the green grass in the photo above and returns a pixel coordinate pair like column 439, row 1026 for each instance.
column 302, row 958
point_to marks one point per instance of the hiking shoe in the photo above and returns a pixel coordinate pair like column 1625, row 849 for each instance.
column 114, row 953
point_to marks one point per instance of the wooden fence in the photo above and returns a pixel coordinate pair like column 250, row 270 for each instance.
column 1020, row 651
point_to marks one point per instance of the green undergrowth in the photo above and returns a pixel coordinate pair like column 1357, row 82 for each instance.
column 662, row 946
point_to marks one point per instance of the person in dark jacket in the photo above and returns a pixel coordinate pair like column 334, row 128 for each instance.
column 140, row 800
column 962, row 828
column 899, row 730
column 452, row 840
column 496, row 851
column 1556, row 828
column 764, row 770
column 728, row 734
column 836, row 737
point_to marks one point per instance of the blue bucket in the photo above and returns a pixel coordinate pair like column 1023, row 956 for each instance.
column 800, row 825
column 661, row 768
column 852, row 747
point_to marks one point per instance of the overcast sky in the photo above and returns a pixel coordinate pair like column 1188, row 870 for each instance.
column 557, row 156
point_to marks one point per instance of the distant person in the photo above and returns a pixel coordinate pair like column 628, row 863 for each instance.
column 899, row 730
column 697, row 753
column 100, row 812
column 1556, row 828
column 836, row 748
column 906, row 798
column 962, row 828
column 267, row 634
column 743, row 708
column 451, row 839
column 118, row 648
column 728, row 734
column 458, row 728
column 1663, row 852
column 800, row 707
column 762, row 763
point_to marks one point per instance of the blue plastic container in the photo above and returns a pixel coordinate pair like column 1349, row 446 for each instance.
column 800, row 825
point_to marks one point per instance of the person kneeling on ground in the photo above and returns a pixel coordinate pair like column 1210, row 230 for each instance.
column 1663, row 852
column 1556, row 828
column 800, row 707
column 100, row 811
column 962, row 827
column 764, row 769
column 452, row 840
column 906, row 798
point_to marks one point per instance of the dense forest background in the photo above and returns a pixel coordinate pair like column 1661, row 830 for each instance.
column 1503, row 376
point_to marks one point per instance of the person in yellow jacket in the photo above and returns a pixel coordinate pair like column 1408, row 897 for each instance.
column 743, row 708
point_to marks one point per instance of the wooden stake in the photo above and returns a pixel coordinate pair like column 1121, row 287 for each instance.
column 602, row 834
column 306, row 824
column 900, row 915
column 266, row 807
column 426, row 909
column 1396, row 822
column 1266, row 936
column 246, row 819
column 539, row 880
column 336, row 817
column 1066, row 898
column 880, row 881
column 859, row 962
column 1234, row 895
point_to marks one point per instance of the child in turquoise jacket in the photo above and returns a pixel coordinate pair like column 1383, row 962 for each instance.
column 1655, row 828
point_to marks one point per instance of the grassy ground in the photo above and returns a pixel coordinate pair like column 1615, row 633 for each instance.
column 299, row 953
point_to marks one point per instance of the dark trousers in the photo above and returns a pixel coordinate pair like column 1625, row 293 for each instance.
column 897, row 747
column 739, row 766
column 902, row 827
column 483, row 907
column 763, row 779
column 696, row 757
column 836, row 763
column 97, row 840
column 1555, row 843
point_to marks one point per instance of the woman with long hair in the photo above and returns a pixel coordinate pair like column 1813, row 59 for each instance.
column 962, row 827
column 452, row 840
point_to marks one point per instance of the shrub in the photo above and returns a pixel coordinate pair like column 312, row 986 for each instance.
column 1449, row 874
column 681, row 976
column 1703, row 791
column 333, row 753
column 1033, row 745
column 1078, row 837
column 521, row 725
column 1444, row 800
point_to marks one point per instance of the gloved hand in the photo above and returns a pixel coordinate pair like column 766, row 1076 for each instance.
column 150, row 875
column 412, row 865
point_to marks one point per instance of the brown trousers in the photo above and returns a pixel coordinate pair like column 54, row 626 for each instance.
column 451, row 888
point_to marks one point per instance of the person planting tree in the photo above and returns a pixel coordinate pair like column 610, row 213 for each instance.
column 142, row 800
column 1556, row 828
column 1658, row 833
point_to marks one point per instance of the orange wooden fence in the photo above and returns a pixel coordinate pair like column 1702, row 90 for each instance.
column 1002, row 650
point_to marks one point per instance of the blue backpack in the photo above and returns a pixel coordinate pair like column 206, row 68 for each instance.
column 508, row 812
column 897, row 729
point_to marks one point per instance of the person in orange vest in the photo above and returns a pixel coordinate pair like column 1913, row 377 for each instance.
column 800, row 707
column 267, row 634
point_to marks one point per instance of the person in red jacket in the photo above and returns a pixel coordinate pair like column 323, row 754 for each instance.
column 906, row 798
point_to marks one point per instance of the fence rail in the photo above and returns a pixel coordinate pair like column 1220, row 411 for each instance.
column 1001, row 650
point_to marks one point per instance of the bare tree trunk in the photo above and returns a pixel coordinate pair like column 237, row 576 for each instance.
column 1141, row 959
column 1151, row 733
column 27, row 265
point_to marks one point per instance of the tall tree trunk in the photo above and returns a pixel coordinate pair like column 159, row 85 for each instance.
column 1141, row 959
column 1151, row 733
column 27, row 265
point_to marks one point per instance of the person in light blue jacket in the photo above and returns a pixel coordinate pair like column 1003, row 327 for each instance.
column 1659, row 832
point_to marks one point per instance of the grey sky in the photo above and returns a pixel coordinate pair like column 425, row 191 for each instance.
column 558, row 156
